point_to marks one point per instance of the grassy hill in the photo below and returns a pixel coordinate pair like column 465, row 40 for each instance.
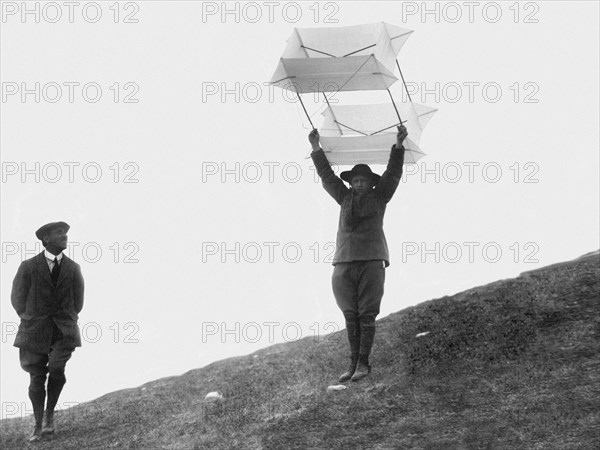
column 510, row 365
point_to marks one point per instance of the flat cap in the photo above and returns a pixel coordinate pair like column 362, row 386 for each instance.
column 45, row 229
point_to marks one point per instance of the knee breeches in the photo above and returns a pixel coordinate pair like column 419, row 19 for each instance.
column 358, row 288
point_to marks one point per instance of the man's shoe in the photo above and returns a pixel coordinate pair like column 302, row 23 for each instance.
column 48, row 424
column 348, row 373
column 362, row 370
column 36, row 436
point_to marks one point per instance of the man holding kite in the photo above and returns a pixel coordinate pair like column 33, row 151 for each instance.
column 361, row 254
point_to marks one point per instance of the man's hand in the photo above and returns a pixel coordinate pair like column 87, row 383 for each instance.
column 402, row 133
column 313, row 138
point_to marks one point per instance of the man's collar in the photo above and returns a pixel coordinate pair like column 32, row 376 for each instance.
column 51, row 257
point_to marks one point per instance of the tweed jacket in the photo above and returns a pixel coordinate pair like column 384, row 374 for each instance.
column 40, row 304
column 360, row 234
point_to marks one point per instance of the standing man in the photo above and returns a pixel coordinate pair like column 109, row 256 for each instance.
column 361, row 254
column 47, row 294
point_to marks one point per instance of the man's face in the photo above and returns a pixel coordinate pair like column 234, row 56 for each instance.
column 361, row 184
column 56, row 239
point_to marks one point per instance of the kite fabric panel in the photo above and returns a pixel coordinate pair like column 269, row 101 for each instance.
column 354, row 73
column 381, row 39
column 353, row 134
column 375, row 149
column 424, row 112
column 353, row 58
column 341, row 120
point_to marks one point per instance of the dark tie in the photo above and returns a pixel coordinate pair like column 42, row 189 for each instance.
column 55, row 271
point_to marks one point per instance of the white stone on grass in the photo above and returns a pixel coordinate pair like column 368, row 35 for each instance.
column 214, row 397
column 336, row 387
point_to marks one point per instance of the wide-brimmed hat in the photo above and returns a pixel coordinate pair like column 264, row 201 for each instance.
column 360, row 169
column 46, row 229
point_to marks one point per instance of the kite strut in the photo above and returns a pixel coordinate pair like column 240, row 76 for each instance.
column 394, row 103
column 305, row 112
column 403, row 82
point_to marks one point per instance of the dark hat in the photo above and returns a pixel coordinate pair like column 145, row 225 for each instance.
column 360, row 169
column 45, row 229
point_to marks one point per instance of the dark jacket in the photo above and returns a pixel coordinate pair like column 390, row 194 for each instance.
column 40, row 304
column 360, row 234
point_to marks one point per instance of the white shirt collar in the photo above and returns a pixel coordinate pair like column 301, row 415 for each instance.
column 51, row 257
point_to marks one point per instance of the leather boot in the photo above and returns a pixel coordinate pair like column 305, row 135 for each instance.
column 55, row 385
column 348, row 373
column 367, row 334
column 37, row 397
column 48, row 427
column 363, row 368
column 353, row 330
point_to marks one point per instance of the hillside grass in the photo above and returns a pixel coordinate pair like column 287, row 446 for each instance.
column 510, row 365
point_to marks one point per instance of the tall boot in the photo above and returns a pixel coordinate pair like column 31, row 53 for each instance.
column 367, row 334
column 353, row 330
column 37, row 395
column 55, row 385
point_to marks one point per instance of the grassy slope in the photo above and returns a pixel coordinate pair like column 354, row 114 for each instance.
column 513, row 364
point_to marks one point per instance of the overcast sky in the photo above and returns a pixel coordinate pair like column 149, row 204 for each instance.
column 198, row 222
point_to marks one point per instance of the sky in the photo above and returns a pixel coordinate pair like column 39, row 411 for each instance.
column 199, row 224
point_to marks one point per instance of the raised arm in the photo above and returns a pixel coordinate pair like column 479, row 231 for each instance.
column 391, row 177
column 331, row 182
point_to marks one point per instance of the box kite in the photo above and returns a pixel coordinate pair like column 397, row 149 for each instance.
column 353, row 58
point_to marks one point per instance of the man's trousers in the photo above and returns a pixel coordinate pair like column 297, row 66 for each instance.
column 358, row 290
column 40, row 364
